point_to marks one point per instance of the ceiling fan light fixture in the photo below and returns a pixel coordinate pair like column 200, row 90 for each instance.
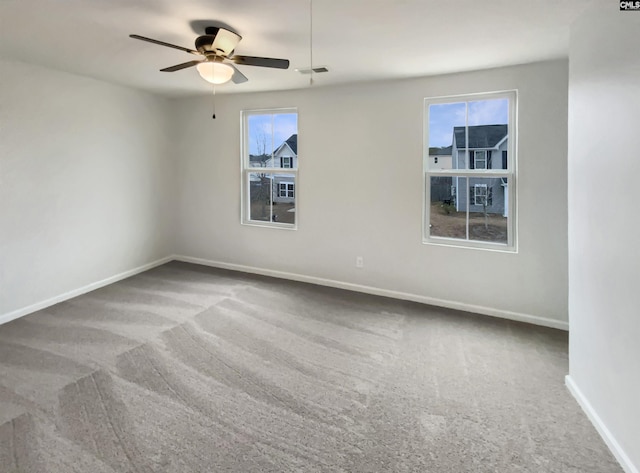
column 215, row 47
column 215, row 72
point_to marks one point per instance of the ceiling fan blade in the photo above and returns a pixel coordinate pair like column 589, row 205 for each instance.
column 162, row 43
column 261, row 61
column 178, row 67
column 237, row 77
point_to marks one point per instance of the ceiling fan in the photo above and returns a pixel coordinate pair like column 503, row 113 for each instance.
column 217, row 47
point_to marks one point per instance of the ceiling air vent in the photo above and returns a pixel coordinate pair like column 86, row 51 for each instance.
column 315, row 69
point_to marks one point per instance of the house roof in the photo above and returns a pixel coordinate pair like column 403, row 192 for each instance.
column 292, row 142
column 442, row 151
column 480, row 136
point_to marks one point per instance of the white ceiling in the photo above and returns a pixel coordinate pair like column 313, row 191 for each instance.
column 356, row 39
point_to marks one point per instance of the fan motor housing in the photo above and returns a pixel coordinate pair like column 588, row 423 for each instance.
column 217, row 40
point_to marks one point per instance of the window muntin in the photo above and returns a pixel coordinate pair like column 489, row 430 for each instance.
column 269, row 167
column 471, row 202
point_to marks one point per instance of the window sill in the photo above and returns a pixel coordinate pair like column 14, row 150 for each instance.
column 280, row 226
column 470, row 245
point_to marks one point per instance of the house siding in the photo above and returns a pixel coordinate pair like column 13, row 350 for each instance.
column 463, row 185
column 444, row 162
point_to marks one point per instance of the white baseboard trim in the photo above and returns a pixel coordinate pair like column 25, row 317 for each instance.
column 8, row 317
column 532, row 319
column 605, row 433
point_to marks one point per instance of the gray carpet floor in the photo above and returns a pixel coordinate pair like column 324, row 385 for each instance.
column 191, row 369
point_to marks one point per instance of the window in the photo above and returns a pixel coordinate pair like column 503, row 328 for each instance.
column 480, row 194
column 285, row 189
column 470, row 201
column 269, row 167
column 478, row 159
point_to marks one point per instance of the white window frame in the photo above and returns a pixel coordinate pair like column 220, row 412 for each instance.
column 510, row 174
column 289, row 164
column 246, row 170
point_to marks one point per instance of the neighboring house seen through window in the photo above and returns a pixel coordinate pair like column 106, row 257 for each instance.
column 470, row 199
column 269, row 167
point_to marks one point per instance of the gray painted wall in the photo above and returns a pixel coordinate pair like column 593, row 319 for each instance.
column 86, row 183
column 360, row 192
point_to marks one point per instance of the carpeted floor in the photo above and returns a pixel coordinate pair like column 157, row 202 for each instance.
column 191, row 369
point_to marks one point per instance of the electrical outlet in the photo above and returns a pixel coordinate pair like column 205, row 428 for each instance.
column 359, row 262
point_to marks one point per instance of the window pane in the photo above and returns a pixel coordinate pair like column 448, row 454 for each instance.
column 284, row 202
column 488, row 131
column 443, row 118
column 488, row 198
column 285, row 147
column 260, row 139
column 445, row 217
column 488, row 112
column 260, row 196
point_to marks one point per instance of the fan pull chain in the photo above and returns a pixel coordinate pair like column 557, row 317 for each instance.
column 214, row 102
